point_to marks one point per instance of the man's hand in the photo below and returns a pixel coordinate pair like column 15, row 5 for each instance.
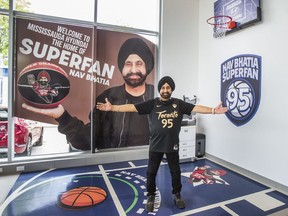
column 220, row 109
column 104, row 106
column 53, row 112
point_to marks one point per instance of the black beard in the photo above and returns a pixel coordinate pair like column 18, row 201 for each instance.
column 43, row 83
column 135, row 82
column 166, row 95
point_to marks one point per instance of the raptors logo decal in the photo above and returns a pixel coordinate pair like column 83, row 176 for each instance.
column 241, row 87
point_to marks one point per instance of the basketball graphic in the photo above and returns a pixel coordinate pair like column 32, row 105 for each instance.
column 239, row 99
column 82, row 197
column 43, row 84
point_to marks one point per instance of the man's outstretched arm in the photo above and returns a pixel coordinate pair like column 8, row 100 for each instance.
column 207, row 110
column 115, row 108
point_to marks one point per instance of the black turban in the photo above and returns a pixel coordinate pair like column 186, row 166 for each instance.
column 139, row 47
column 168, row 80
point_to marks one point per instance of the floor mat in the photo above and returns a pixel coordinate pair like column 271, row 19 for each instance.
column 209, row 189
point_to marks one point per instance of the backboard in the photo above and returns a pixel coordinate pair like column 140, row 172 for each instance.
column 243, row 12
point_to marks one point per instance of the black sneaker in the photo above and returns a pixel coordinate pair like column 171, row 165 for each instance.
column 179, row 202
column 150, row 203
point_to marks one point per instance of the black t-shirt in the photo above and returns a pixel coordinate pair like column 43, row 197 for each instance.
column 165, row 119
column 135, row 130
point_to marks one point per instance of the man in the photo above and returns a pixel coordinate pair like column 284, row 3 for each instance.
column 113, row 130
column 42, row 87
column 165, row 117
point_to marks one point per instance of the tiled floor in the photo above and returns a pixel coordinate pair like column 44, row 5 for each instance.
column 209, row 189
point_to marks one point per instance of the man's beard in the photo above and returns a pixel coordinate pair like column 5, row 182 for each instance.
column 166, row 95
column 43, row 83
column 135, row 82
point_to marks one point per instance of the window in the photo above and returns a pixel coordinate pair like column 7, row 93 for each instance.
column 135, row 17
column 3, row 43
column 76, row 9
column 140, row 14
column 4, row 4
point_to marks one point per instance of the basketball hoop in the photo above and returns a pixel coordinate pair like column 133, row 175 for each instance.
column 221, row 24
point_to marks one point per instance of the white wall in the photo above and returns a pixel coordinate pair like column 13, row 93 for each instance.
column 261, row 145
column 179, row 53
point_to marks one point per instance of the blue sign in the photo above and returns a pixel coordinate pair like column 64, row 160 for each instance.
column 4, row 72
column 241, row 87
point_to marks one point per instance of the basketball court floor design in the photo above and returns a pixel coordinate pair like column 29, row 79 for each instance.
column 209, row 189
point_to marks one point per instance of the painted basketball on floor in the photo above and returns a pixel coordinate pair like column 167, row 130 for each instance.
column 43, row 84
column 82, row 197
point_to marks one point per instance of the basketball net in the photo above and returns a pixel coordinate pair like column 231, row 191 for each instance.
column 220, row 25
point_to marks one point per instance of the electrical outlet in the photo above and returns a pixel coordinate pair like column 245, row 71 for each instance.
column 20, row 168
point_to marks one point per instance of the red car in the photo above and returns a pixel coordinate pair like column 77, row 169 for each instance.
column 27, row 134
